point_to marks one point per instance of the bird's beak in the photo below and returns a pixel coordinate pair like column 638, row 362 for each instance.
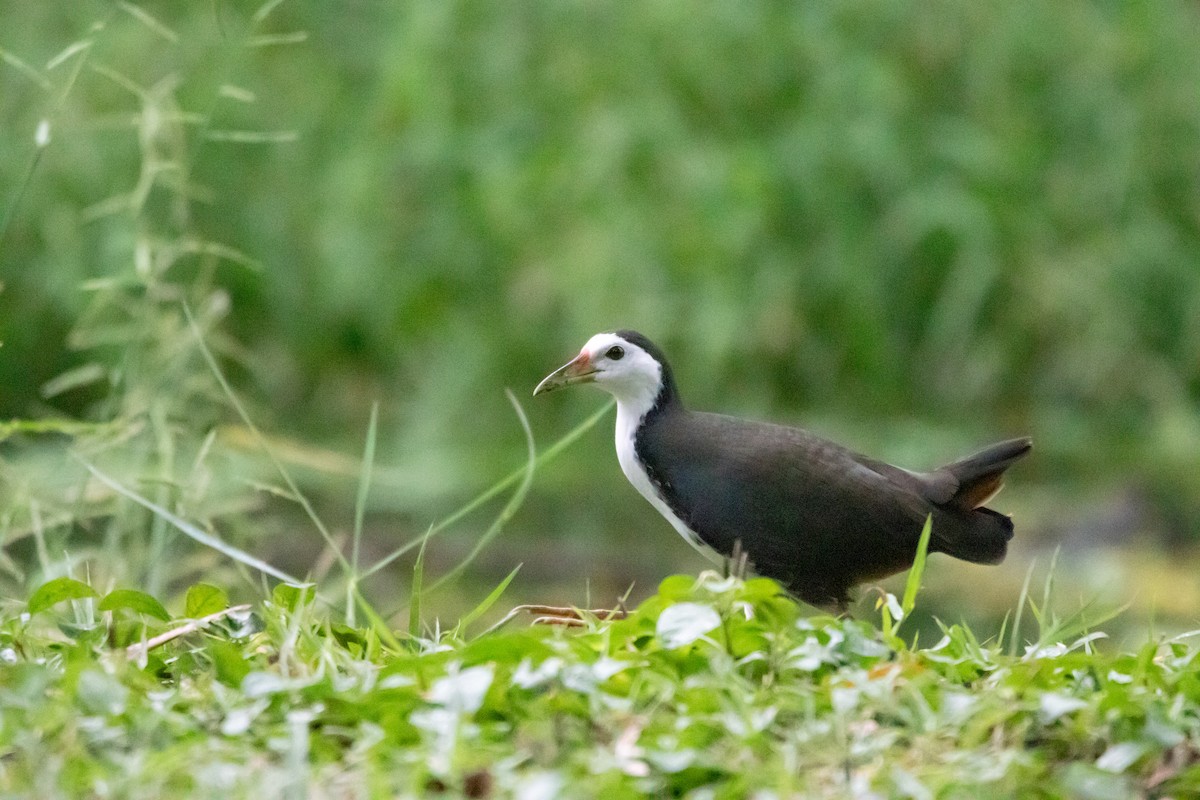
column 577, row 370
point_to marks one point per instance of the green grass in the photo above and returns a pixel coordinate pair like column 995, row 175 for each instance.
column 713, row 687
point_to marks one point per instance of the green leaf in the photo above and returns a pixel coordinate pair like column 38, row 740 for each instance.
column 757, row 589
column 230, row 662
column 890, row 614
column 675, row 587
column 98, row 692
column 684, row 623
column 203, row 599
column 133, row 600
column 53, row 592
column 293, row 596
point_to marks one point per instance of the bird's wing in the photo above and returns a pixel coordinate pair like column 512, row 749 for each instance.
column 797, row 497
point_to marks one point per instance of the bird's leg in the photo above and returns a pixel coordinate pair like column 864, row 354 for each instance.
column 738, row 562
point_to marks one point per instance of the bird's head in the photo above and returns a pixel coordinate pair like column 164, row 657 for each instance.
column 625, row 364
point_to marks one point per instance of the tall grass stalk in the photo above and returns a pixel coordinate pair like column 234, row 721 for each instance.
column 297, row 495
column 517, row 475
column 893, row 615
column 414, row 595
column 189, row 529
column 510, row 508
column 360, row 506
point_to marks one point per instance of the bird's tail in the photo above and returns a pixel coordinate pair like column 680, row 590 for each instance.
column 969, row 531
column 981, row 475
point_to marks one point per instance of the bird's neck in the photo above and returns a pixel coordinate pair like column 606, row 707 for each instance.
column 640, row 406
column 637, row 404
column 637, row 413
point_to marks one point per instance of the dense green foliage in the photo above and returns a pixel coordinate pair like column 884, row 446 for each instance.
column 980, row 214
column 712, row 688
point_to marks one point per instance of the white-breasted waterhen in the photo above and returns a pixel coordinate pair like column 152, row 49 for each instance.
column 816, row 516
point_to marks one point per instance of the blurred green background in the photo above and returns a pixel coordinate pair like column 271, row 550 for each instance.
column 913, row 227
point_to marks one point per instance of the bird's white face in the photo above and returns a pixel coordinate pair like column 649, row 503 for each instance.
column 635, row 377
column 618, row 366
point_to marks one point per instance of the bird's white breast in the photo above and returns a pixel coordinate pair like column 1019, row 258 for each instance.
column 628, row 421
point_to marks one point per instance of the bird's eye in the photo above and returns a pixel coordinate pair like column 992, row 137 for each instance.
column 615, row 353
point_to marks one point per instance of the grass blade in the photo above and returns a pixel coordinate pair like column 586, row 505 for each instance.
column 495, row 489
column 488, row 601
column 211, row 360
column 364, row 485
column 190, row 530
column 414, row 595
column 913, row 584
column 378, row 623
column 510, row 508
column 1022, row 600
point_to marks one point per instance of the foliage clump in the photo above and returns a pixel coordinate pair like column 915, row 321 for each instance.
column 713, row 687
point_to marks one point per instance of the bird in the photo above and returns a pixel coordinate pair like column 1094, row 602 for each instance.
column 815, row 516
